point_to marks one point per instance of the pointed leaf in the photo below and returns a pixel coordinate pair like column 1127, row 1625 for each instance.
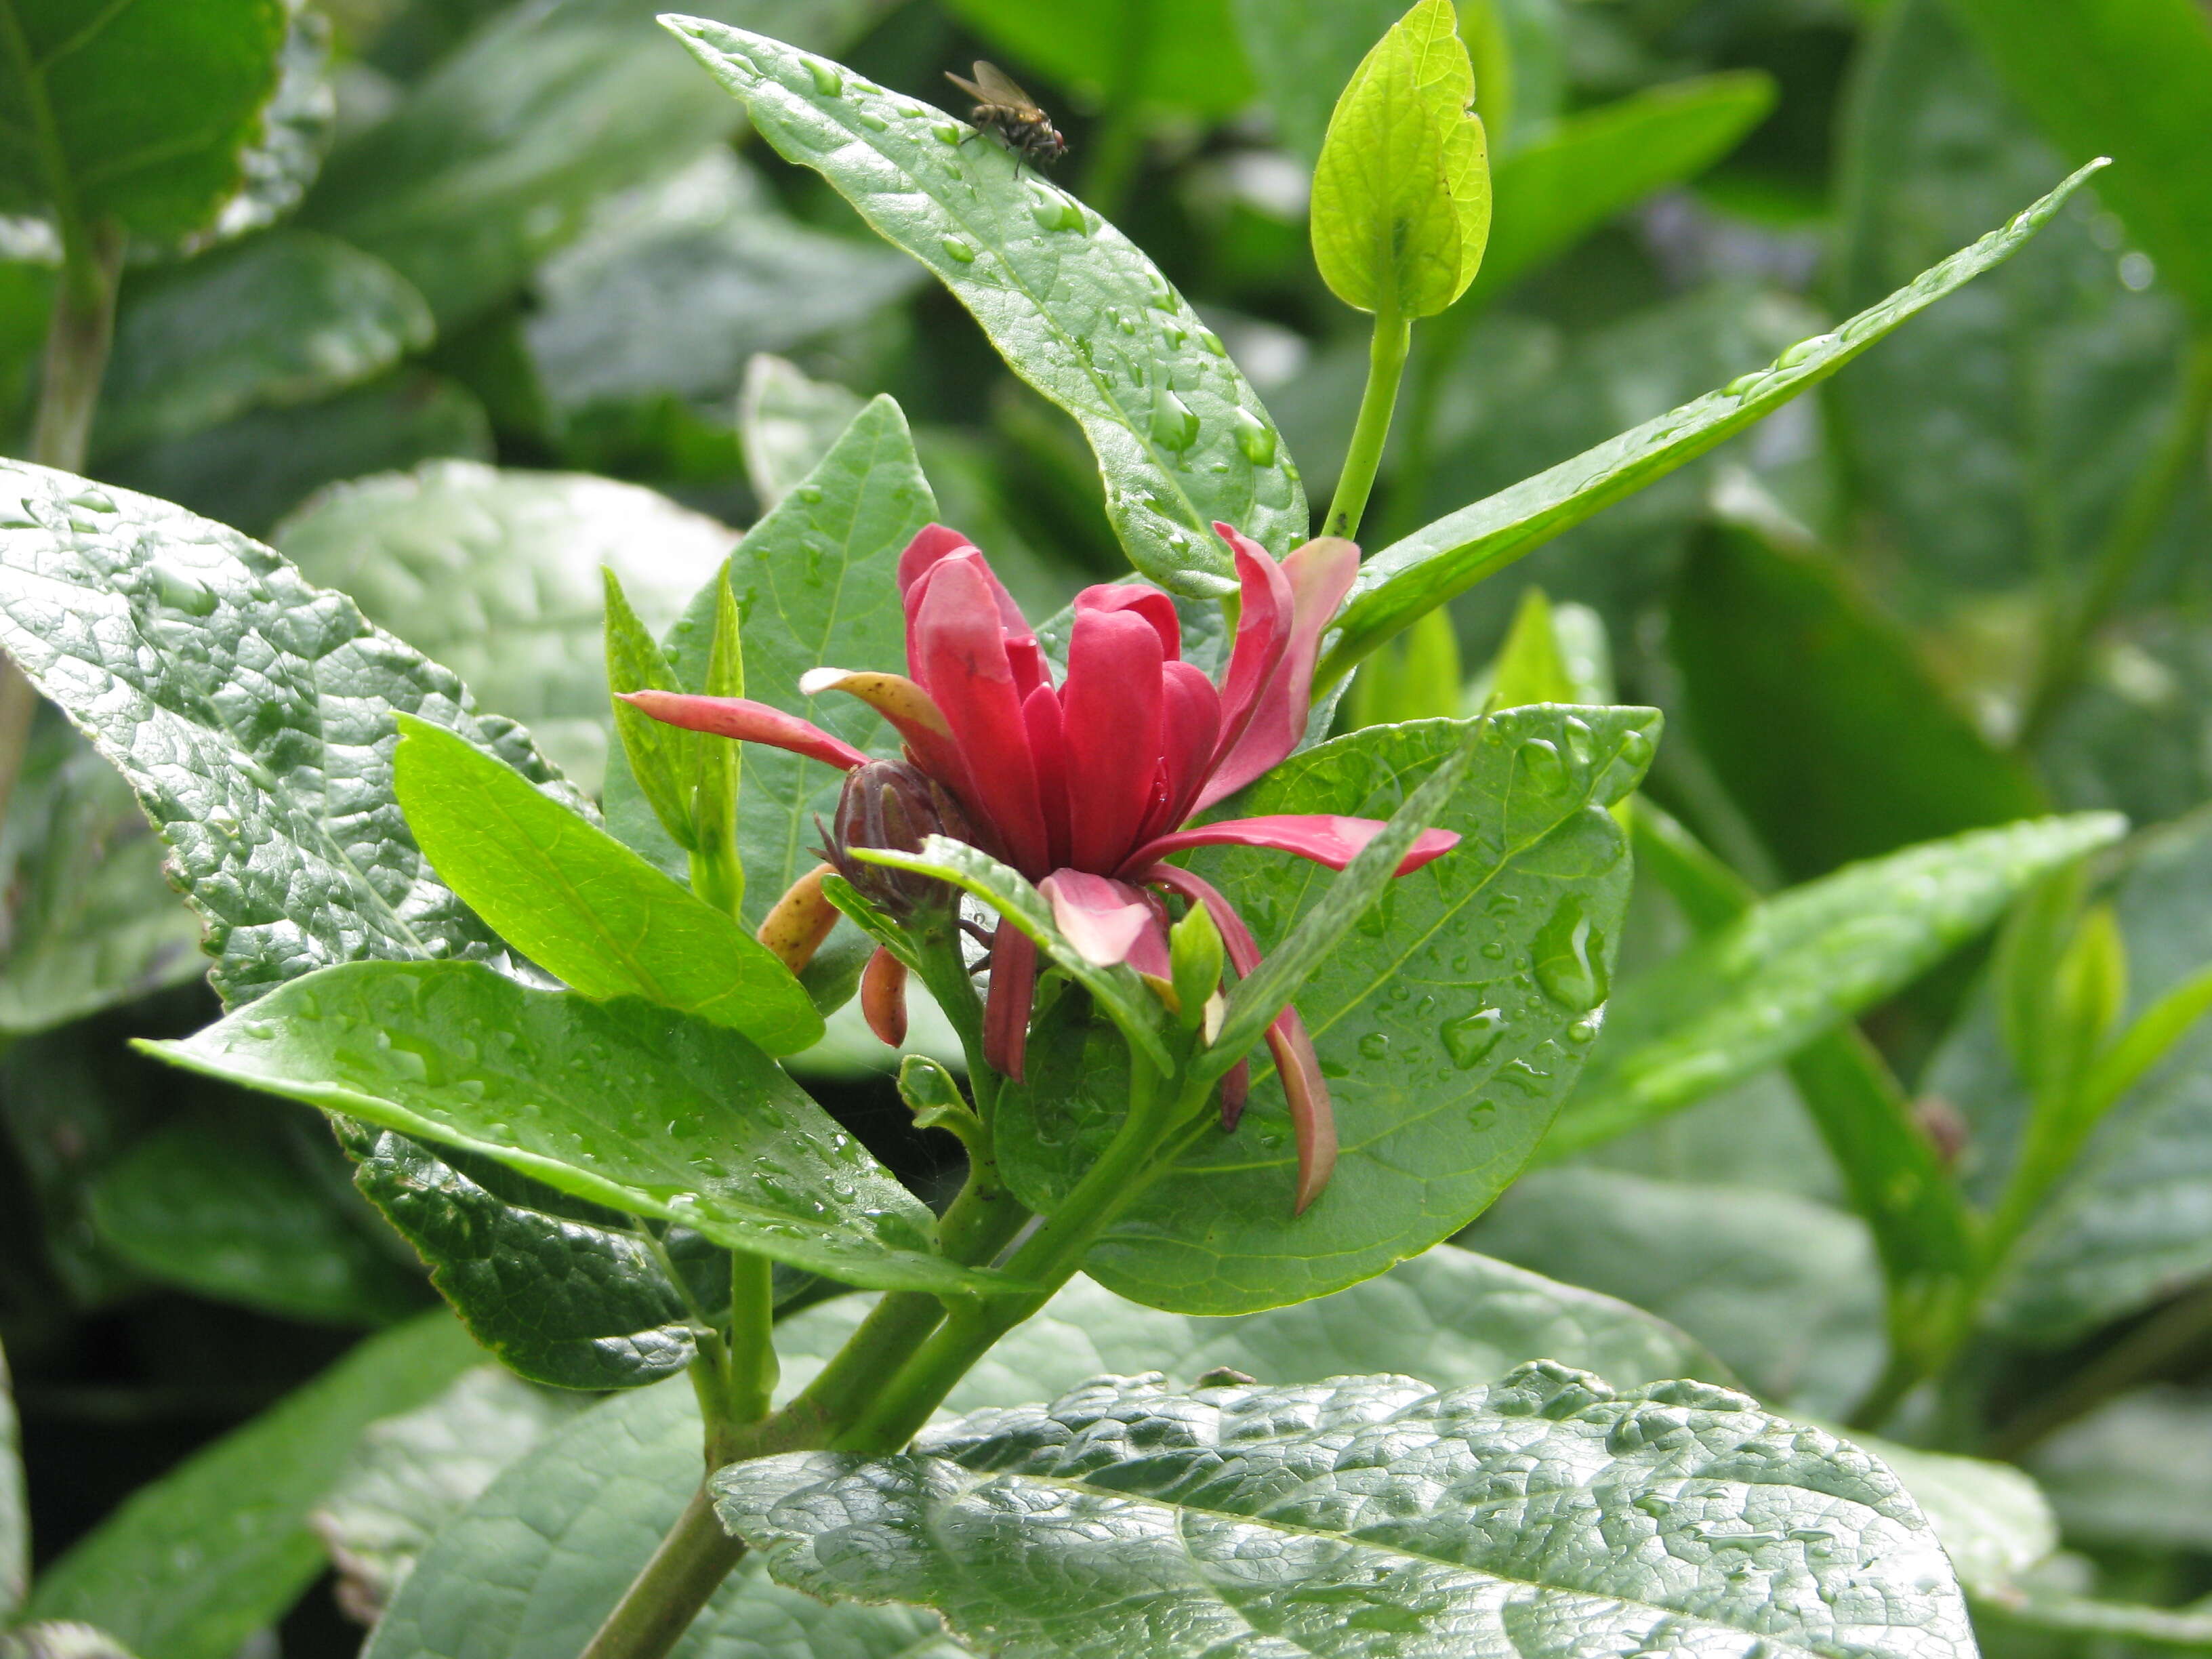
column 1076, row 309
column 621, row 1104
column 14, row 1506
column 1456, row 552
column 583, row 906
column 1129, row 1517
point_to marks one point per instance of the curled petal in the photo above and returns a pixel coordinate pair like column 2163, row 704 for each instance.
column 883, row 997
column 931, row 544
column 1108, row 921
column 1111, row 705
column 795, row 927
column 1236, row 1090
column 1190, row 725
column 1319, row 576
column 1041, row 718
column 911, row 712
column 1324, row 837
column 747, row 721
column 951, row 548
column 1146, row 601
column 1013, row 991
column 1263, row 633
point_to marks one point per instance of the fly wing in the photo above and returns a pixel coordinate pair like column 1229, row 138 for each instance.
column 998, row 88
column 969, row 88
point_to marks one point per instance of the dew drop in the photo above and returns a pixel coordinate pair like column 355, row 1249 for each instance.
column 1804, row 351
column 957, row 248
column 1469, row 1038
column 1255, row 439
column 1174, row 426
column 945, row 132
column 1539, row 759
column 1743, row 383
column 1053, row 212
column 1481, row 1114
column 873, row 123
column 1582, row 1030
column 810, row 493
column 92, row 501
column 1374, row 1045
column 1570, row 958
column 827, row 81
column 180, row 592
column 1211, row 342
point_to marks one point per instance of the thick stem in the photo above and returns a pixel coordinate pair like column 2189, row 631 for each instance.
column 2147, row 506
column 717, row 876
column 659, row 1606
column 1386, row 367
column 751, row 1385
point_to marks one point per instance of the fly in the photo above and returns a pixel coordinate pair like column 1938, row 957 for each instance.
column 1004, row 109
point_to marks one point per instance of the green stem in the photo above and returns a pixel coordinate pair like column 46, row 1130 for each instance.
column 717, row 876
column 2150, row 503
column 658, row 1607
column 1431, row 365
column 750, row 1386
column 1386, row 367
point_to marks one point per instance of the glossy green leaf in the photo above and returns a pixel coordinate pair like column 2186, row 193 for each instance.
column 1401, row 206
column 1115, row 987
column 412, row 1473
column 1814, row 712
column 496, row 156
column 1797, row 965
column 1428, row 567
column 140, row 114
column 297, row 125
column 2128, row 78
column 621, row 1104
column 196, row 1561
column 250, row 473
column 1076, row 310
column 285, row 319
column 1530, row 666
column 1450, row 1023
column 2133, row 1472
column 1184, row 57
column 15, row 1505
column 671, row 288
column 256, row 1210
column 564, row 1292
column 1127, row 1517
column 1784, row 1289
column 817, row 581
column 530, row 1569
column 786, row 423
column 241, row 702
column 1994, row 1522
column 1601, row 161
column 2001, row 445
column 2083, row 1617
column 580, row 904
column 91, row 920
column 1415, row 678
column 689, row 779
column 497, row 574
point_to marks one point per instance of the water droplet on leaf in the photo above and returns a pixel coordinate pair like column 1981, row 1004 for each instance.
column 1569, row 957
column 827, row 81
column 1174, row 426
column 957, row 248
column 1469, row 1038
column 1255, row 437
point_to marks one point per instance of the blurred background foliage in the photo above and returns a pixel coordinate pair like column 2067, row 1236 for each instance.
column 507, row 296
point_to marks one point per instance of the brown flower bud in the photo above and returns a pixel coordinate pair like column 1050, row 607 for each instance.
column 895, row 805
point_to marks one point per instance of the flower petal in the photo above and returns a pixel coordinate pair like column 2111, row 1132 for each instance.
column 1190, row 725
column 1146, row 601
column 797, row 923
column 912, row 713
column 1041, row 718
column 883, row 997
column 1110, row 703
column 933, row 550
column 1263, row 633
column 747, row 721
column 1324, row 837
column 1319, row 576
column 931, row 544
column 1012, row 993
column 960, row 657
column 1236, row 1090
column 1108, row 921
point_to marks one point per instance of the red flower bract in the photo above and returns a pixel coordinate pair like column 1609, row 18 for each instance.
column 1085, row 786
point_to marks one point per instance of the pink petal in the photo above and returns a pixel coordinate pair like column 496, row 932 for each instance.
column 1319, row 576
column 1013, row 991
column 1108, row 921
column 1324, row 837
column 1263, row 633
column 931, row 542
column 747, row 721
column 937, row 554
column 961, row 658
column 1235, row 938
column 1154, row 606
column 1111, row 704
column 1236, row 1090
column 883, row 997
column 1190, row 725
column 1041, row 718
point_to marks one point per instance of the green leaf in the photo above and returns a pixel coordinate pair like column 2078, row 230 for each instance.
column 620, row 1104
column 566, row 1293
column 1416, row 679
column 671, row 289
column 285, row 319
column 196, row 1561
column 1115, row 987
column 2082, row 1616
column 2130, row 78
column 412, row 1473
column 250, row 473
column 1401, row 192
column 786, row 423
column 1816, row 712
column 1127, row 1518
column 1994, row 1522
column 91, row 920
column 2133, row 1472
column 1784, row 1289
column 1184, row 57
column 2002, row 446
column 14, row 1505
column 256, row 1210
column 1549, row 196
column 140, row 114
column 817, row 582
column 1428, row 567
column 583, row 906
column 1799, row 964
column 1072, row 304
column 296, row 127
column 530, row 1569
column 496, row 157
column 1531, row 666
column 253, row 716
column 1444, row 1053
column 497, row 574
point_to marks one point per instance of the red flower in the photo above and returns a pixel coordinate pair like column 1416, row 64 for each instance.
column 1086, row 787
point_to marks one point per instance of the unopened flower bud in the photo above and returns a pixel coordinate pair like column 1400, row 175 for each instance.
column 897, row 806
